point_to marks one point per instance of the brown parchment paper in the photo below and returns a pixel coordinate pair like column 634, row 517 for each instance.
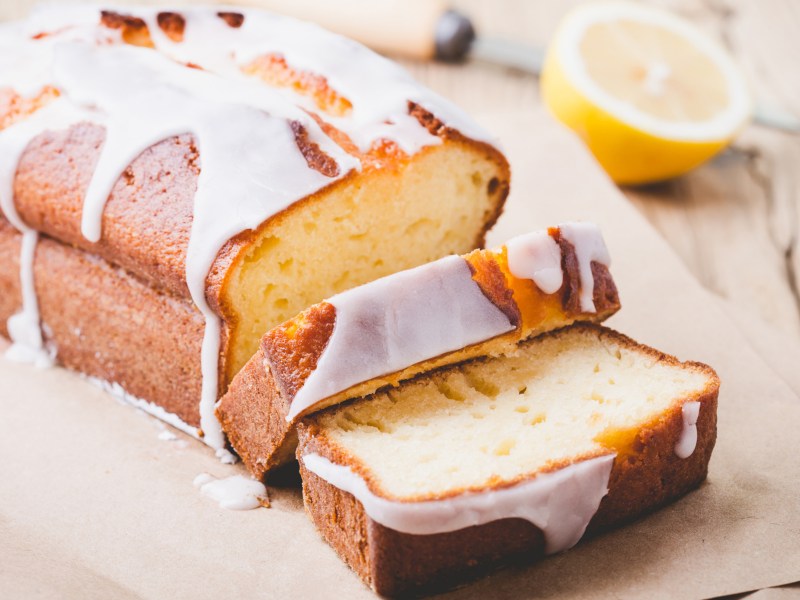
column 94, row 505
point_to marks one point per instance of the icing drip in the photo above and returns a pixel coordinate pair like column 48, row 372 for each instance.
column 233, row 493
column 686, row 444
column 560, row 503
column 589, row 246
column 536, row 256
column 24, row 327
column 384, row 326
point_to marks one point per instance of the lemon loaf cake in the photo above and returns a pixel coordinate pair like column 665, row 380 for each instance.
column 505, row 458
column 174, row 183
column 391, row 329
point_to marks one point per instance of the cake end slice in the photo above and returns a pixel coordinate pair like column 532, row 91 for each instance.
column 505, row 459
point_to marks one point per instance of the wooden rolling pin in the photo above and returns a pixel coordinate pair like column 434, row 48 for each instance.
column 423, row 30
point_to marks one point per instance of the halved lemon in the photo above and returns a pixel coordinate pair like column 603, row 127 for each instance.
column 651, row 95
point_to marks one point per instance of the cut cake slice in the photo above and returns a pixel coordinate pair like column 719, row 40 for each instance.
column 392, row 329
column 505, row 458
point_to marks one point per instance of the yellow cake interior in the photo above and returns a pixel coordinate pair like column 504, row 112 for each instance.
column 390, row 218
column 572, row 394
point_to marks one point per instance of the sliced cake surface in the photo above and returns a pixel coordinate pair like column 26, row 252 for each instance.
column 391, row 329
column 580, row 428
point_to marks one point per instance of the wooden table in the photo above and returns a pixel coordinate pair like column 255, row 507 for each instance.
column 734, row 221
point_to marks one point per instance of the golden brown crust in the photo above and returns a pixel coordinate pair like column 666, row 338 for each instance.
column 273, row 69
column 605, row 291
column 110, row 325
column 489, row 276
column 315, row 157
column 134, row 30
column 645, row 476
column 172, row 24
column 257, row 430
column 232, row 19
column 292, row 350
column 11, row 298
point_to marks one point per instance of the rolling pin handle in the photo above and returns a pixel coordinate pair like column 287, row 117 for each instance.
column 454, row 36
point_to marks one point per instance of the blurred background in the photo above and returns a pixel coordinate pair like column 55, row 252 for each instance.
column 734, row 221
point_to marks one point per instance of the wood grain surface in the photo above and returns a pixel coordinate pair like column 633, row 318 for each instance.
column 734, row 221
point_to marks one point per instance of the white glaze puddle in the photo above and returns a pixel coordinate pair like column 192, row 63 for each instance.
column 686, row 444
column 400, row 320
column 560, row 503
column 589, row 246
column 536, row 256
column 251, row 167
column 232, row 493
column 167, row 436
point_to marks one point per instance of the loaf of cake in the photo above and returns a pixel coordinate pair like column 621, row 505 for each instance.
column 505, row 458
column 175, row 183
column 389, row 330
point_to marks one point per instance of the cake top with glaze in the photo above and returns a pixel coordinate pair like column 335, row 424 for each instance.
column 306, row 68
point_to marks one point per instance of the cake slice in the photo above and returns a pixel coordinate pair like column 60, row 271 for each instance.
column 505, row 458
column 391, row 329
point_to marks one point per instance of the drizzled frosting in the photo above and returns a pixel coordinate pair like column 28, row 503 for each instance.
column 687, row 442
column 236, row 492
column 560, row 503
column 536, row 256
column 589, row 247
column 397, row 321
column 251, row 166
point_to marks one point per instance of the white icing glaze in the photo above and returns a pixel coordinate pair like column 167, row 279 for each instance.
column 536, row 256
column 589, row 246
column 233, row 493
column 166, row 435
column 154, row 410
column 24, row 327
column 686, row 444
column 560, row 503
column 251, row 167
column 391, row 323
